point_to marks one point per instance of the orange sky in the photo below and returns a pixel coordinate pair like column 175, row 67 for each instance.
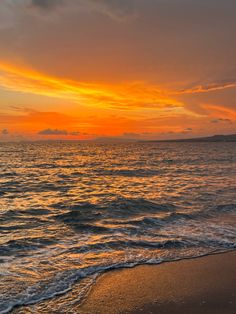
column 129, row 69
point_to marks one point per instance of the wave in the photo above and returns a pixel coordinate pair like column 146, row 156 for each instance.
column 133, row 212
column 124, row 206
column 129, row 173
column 225, row 208
column 64, row 282
column 24, row 245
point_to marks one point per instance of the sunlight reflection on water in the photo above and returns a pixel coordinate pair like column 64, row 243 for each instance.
column 69, row 211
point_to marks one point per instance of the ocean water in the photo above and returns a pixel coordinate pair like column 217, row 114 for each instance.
column 70, row 211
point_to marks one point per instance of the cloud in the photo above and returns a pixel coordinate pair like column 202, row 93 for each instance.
column 221, row 120
column 53, row 132
column 58, row 132
column 122, row 96
column 46, row 4
column 14, row 12
column 209, row 87
column 25, row 119
column 116, row 10
column 5, row 132
column 75, row 133
column 220, row 111
column 187, row 130
column 7, row 14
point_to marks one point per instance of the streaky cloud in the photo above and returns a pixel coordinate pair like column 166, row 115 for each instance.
column 210, row 87
column 116, row 10
column 129, row 95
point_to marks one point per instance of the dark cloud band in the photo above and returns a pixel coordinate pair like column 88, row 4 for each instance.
column 46, row 4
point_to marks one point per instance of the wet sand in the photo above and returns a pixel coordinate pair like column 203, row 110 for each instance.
column 202, row 285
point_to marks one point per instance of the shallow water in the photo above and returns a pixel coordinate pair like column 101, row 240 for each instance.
column 69, row 211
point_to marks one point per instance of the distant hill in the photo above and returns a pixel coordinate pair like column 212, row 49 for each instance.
column 215, row 138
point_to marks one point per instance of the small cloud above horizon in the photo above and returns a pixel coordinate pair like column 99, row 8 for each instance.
column 187, row 130
column 219, row 120
column 53, row 132
column 58, row 132
column 46, row 4
column 4, row 132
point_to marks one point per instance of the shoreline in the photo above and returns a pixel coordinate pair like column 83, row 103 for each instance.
column 194, row 285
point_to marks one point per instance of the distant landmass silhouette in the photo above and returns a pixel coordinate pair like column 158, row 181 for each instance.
column 214, row 138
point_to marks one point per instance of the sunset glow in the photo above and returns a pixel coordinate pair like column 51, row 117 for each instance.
column 56, row 82
column 117, row 156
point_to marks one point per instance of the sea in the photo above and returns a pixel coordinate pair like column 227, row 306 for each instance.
column 70, row 211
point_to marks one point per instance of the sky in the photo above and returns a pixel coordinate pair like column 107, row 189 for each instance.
column 140, row 69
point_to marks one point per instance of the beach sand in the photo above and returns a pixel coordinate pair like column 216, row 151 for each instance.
column 202, row 285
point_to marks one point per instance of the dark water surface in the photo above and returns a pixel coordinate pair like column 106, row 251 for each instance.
column 69, row 211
